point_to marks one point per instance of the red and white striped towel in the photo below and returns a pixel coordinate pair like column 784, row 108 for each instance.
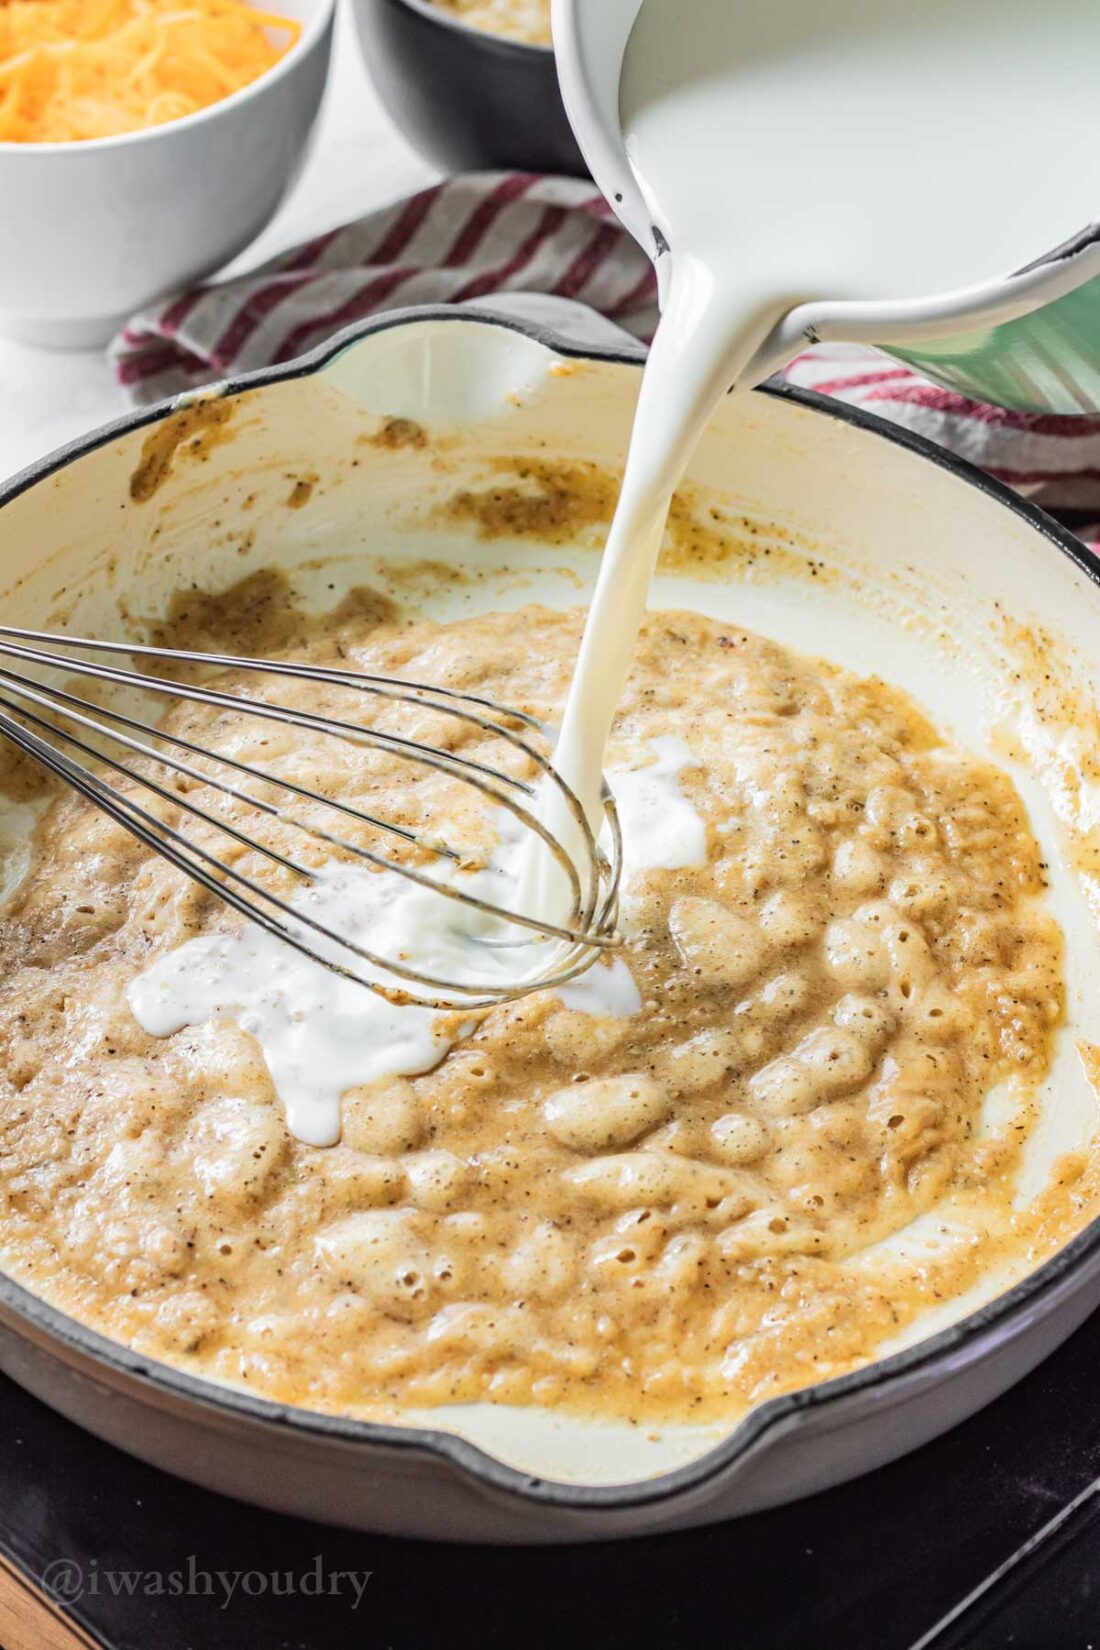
column 470, row 237
column 461, row 240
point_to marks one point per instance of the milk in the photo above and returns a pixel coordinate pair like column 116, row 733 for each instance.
column 322, row 1033
column 819, row 149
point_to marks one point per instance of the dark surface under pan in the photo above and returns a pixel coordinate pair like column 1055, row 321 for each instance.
column 966, row 1543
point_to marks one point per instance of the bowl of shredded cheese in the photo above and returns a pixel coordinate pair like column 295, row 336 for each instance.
column 144, row 143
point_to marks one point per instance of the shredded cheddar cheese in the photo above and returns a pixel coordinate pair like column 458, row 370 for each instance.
column 71, row 70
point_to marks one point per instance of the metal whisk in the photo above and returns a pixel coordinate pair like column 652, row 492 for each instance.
column 57, row 726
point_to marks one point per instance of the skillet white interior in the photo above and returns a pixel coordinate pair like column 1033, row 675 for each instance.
column 851, row 546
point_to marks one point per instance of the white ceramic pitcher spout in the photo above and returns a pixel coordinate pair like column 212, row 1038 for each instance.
column 1029, row 339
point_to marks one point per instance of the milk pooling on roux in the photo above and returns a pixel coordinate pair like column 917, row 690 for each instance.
column 322, row 1033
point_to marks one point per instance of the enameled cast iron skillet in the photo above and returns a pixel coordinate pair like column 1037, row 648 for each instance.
column 913, row 552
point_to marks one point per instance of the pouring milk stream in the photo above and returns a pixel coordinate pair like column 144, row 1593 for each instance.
column 818, row 149
column 788, row 152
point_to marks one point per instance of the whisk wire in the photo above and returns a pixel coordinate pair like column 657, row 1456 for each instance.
column 593, row 888
column 28, row 690
column 481, row 777
column 176, row 847
column 451, row 701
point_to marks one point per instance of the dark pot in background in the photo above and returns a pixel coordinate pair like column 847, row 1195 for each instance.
column 467, row 100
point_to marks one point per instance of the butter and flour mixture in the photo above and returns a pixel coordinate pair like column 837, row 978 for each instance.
column 648, row 1202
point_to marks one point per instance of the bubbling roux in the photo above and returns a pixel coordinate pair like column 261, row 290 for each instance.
column 650, row 1194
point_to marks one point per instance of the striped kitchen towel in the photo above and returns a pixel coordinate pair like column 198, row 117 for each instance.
column 471, row 237
column 464, row 239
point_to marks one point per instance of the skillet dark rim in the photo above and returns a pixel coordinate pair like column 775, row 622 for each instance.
column 958, row 1344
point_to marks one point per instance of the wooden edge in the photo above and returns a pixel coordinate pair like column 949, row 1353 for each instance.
column 30, row 1620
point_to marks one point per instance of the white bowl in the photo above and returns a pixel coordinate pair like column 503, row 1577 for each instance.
column 97, row 229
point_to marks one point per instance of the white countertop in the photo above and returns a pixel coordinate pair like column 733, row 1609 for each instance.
column 359, row 161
